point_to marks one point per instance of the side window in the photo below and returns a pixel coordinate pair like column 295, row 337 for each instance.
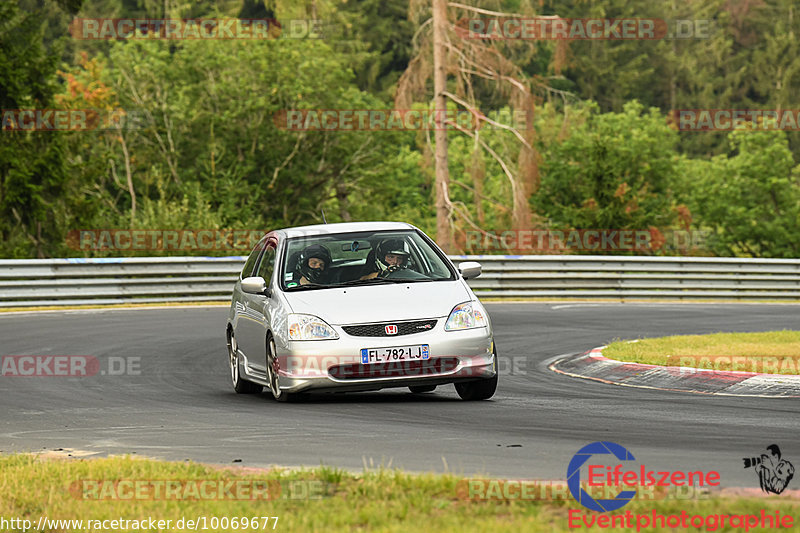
column 267, row 264
column 250, row 264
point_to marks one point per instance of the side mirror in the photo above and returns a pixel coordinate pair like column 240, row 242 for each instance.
column 255, row 285
column 470, row 269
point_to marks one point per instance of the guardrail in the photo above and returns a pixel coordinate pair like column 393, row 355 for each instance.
column 47, row 282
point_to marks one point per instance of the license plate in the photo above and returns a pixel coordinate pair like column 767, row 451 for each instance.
column 416, row 352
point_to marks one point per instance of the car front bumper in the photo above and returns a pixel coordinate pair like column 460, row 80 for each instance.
column 335, row 365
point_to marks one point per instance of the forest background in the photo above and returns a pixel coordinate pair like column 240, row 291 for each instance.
column 599, row 147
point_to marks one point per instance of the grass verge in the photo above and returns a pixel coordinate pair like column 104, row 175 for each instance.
column 771, row 352
column 375, row 500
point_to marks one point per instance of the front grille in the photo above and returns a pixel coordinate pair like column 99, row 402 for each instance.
column 379, row 330
column 397, row 369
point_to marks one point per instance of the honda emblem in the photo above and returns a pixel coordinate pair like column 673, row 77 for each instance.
column 391, row 329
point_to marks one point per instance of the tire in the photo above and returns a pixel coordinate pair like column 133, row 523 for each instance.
column 419, row 389
column 273, row 376
column 240, row 385
column 479, row 390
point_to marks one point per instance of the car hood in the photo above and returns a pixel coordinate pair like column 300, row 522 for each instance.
column 380, row 303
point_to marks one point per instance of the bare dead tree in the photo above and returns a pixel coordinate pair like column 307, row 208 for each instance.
column 444, row 232
column 468, row 59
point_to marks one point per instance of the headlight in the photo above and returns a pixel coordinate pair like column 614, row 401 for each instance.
column 309, row 328
column 465, row 316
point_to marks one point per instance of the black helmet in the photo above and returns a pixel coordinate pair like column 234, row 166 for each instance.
column 314, row 275
column 395, row 246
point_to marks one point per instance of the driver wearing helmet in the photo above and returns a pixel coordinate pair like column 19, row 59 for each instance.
column 313, row 265
column 390, row 255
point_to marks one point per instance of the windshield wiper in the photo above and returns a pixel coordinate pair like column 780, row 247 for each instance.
column 354, row 282
column 368, row 281
column 382, row 280
column 309, row 286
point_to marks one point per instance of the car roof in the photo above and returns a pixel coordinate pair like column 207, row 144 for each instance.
column 343, row 227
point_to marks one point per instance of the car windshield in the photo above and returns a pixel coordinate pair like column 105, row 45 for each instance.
column 362, row 258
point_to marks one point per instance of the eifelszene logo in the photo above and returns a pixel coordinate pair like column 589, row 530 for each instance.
column 774, row 473
column 574, row 476
column 615, row 476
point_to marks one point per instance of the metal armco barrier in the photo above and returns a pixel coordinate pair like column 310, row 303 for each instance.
column 47, row 282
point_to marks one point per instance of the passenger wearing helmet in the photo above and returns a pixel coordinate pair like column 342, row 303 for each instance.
column 390, row 255
column 313, row 265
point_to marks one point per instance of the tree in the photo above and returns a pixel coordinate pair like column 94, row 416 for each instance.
column 751, row 198
column 474, row 62
column 33, row 173
column 210, row 134
column 612, row 171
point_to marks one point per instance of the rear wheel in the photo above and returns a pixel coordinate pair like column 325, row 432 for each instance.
column 419, row 389
column 240, row 385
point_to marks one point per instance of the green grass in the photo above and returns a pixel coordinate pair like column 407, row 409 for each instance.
column 374, row 500
column 776, row 352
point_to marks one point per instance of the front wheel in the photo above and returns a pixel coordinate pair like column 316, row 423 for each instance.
column 273, row 376
column 273, row 370
column 419, row 389
column 240, row 385
column 479, row 390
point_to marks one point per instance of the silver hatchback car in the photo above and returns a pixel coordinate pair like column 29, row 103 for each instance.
column 357, row 307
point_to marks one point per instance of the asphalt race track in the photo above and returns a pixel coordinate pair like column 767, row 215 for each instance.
column 177, row 402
